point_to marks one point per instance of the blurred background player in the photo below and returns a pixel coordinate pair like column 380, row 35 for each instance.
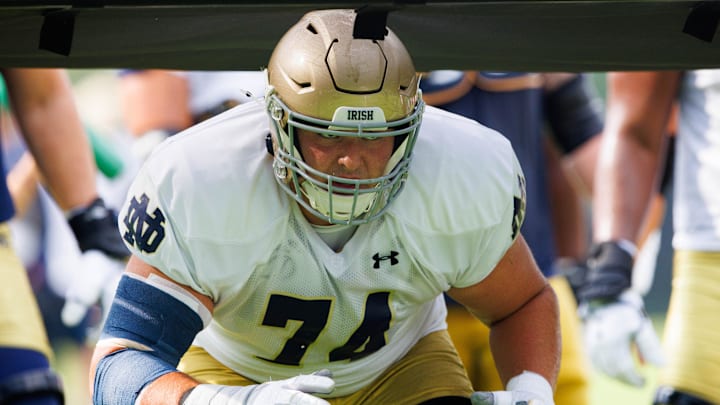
column 47, row 247
column 43, row 106
column 640, row 104
column 156, row 104
column 524, row 107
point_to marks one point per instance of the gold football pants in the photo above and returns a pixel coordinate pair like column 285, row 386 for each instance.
column 692, row 326
column 21, row 325
column 431, row 369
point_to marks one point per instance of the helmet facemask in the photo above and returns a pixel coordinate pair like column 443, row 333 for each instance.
column 324, row 80
column 359, row 200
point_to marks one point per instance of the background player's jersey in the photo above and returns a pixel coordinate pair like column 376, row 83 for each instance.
column 210, row 90
column 206, row 210
column 696, row 196
column 520, row 107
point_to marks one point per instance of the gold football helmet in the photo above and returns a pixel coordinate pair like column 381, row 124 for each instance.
column 324, row 80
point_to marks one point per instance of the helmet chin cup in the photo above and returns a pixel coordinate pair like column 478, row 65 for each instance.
column 337, row 207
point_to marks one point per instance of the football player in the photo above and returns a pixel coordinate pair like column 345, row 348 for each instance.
column 157, row 104
column 294, row 250
column 640, row 104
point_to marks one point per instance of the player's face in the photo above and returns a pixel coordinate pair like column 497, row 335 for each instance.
column 346, row 156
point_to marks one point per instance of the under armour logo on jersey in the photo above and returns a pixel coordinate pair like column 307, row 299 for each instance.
column 144, row 230
column 392, row 257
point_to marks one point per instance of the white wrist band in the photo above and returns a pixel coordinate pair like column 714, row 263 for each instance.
column 533, row 383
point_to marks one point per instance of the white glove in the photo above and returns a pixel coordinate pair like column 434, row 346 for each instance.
column 611, row 330
column 293, row 391
column 527, row 388
column 99, row 272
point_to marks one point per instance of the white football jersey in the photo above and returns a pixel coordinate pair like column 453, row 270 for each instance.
column 206, row 210
column 696, row 196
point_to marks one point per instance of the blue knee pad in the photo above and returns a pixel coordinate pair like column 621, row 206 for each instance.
column 147, row 315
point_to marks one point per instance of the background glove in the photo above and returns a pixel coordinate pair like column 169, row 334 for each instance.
column 611, row 331
column 293, row 391
column 614, row 317
column 97, row 279
column 103, row 260
column 95, row 227
column 609, row 272
column 527, row 388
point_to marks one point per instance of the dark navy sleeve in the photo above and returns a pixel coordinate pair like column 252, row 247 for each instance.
column 574, row 113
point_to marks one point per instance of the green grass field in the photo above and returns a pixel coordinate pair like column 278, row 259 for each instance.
column 605, row 391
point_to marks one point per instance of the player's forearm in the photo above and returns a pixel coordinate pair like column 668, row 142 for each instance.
column 567, row 211
column 66, row 162
column 527, row 340
column 639, row 107
column 125, row 376
column 623, row 189
column 580, row 165
column 149, row 327
column 52, row 129
column 167, row 389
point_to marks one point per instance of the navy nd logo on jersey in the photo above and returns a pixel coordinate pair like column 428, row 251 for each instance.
column 145, row 230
